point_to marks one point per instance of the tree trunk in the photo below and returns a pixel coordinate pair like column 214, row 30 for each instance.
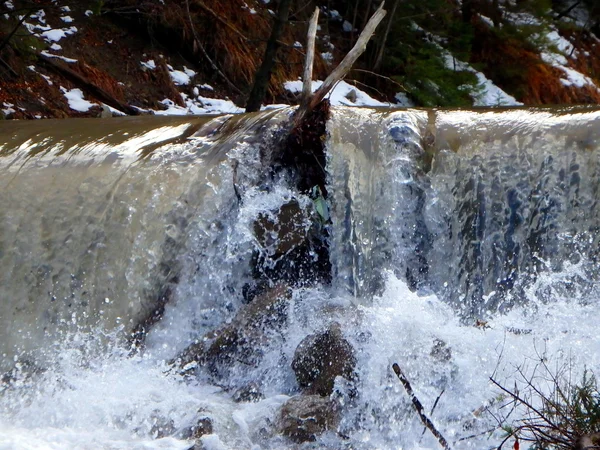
column 467, row 11
column 381, row 49
column 496, row 13
column 263, row 74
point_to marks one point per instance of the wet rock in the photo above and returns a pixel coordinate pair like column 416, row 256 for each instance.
column 242, row 339
column 162, row 428
column 293, row 247
column 203, row 427
column 288, row 229
column 322, row 357
column 249, row 393
column 440, row 351
column 304, row 417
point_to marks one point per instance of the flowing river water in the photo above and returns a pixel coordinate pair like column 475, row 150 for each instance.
column 463, row 246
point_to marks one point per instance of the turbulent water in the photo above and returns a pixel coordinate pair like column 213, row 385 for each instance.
column 463, row 246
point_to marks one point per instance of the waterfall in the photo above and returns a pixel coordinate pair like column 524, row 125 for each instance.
column 459, row 241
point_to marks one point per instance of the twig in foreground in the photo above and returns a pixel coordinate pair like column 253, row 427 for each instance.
column 419, row 407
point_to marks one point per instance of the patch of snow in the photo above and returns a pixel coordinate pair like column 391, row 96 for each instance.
column 559, row 60
column 560, row 42
column 179, row 77
column 65, row 59
column 114, row 111
column 521, row 18
column 327, row 57
column 189, row 72
column 403, row 100
column 76, row 100
column 554, row 59
column 335, row 15
column 89, row 12
column 201, row 105
column 57, row 34
column 347, row 26
column 9, row 5
column 47, row 78
column 343, row 94
column 8, row 108
column 56, row 47
column 150, row 64
column 54, row 35
column 487, row 20
column 297, row 44
column 65, row 9
column 206, row 86
column 490, row 95
column 40, row 15
column 67, row 19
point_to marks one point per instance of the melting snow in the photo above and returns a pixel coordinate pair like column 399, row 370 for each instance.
column 50, row 55
column 490, row 95
column 58, row 33
column 150, row 64
column 76, row 100
column 343, row 94
column 181, row 77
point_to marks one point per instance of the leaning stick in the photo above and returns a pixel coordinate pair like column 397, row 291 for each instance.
column 310, row 58
column 419, row 407
column 344, row 67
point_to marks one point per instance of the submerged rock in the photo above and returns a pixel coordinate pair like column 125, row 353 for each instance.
column 322, row 357
column 293, row 247
column 286, row 229
column 242, row 339
column 304, row 417
column 249, row 393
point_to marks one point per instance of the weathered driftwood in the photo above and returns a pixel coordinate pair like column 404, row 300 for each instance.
column 343, row 68
column 419, row 407
column 310, row 58
column 87, row 86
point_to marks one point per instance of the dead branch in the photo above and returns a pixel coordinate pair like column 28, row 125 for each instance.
column 419, row 406
column 87, row 86
column 344, row 67
column 310, row 57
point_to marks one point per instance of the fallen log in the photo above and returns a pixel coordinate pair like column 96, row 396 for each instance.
column 87, row 86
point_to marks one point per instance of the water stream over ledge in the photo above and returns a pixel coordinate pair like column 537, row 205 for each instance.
column 438, row 220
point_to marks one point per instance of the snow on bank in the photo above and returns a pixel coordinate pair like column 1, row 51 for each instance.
column 560, row 60
column 490, row 94
column 76, row 100
column 343, row 94
column 556, row 51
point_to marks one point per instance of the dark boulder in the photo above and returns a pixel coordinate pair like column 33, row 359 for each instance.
column 242, row 339
column 304, row 417
column 322, row 357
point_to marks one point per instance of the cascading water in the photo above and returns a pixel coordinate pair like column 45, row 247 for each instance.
column 439, row 220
